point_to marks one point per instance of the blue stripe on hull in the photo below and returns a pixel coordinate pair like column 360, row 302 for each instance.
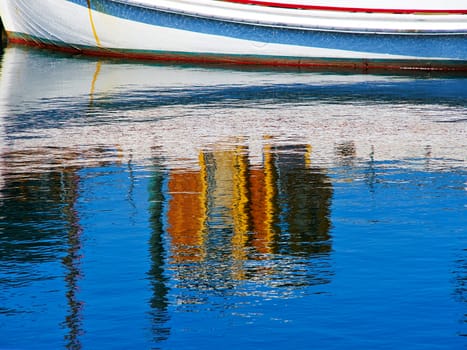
column 435, row 46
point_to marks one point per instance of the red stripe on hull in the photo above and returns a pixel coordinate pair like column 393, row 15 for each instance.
column 347, row 9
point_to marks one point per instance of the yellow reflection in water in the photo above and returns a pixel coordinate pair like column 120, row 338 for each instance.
column 230, row 194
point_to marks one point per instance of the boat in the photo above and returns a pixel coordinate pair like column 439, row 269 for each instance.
column 348, row 34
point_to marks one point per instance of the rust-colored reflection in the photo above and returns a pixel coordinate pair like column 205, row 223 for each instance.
column 186, row 216
column 263, row 204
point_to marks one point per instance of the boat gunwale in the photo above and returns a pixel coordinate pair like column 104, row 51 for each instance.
column 359, row 16
column 348, row 9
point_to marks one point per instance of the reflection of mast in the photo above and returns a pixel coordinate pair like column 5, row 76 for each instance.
column 158, row 302
column 240, row 208
column 71, row 261
column 35, row 196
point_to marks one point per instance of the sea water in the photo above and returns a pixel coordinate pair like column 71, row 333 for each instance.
column 147, row 206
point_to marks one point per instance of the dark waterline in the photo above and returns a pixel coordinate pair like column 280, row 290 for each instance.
column 167, row 207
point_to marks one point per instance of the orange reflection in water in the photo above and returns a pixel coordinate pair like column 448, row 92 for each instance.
column 186, row 216
column 263, row 195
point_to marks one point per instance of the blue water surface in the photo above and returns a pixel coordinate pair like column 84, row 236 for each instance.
column 126, row 224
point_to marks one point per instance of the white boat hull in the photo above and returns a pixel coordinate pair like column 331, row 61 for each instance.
column 215, row 31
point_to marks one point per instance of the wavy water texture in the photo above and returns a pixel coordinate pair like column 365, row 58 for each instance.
column 159, row 206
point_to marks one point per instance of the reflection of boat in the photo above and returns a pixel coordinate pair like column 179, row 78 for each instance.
column 137, row 110
column 357, row 34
